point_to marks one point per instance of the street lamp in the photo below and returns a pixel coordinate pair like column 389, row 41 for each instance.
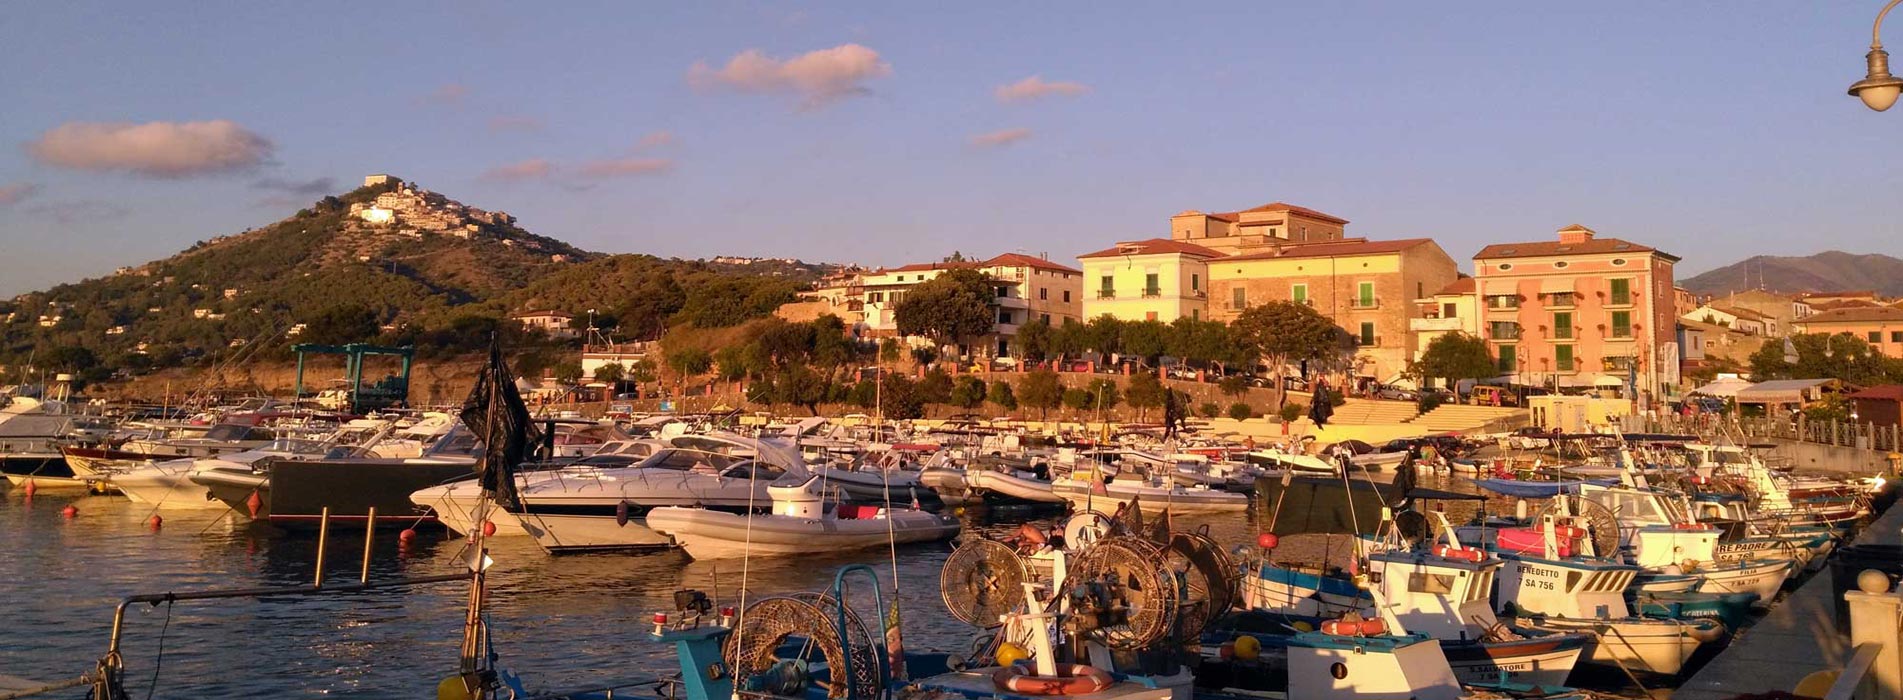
column 1878, row 89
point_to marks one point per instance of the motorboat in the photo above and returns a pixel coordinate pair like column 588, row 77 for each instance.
column 1090, row 492
column 456, row 503
column 32, row 431
column 801, row 522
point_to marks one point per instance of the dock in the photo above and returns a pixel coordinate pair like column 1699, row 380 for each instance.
column 1795, row 639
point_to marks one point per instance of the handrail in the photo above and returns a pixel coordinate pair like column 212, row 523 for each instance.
column 1856, row 673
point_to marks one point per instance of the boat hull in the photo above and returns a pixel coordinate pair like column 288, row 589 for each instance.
column 45, row 470
column 1152, row 499
column 710, row 534
column 165, row 486
column 1009, row 486
column 1545, row 660
column 1659, row 647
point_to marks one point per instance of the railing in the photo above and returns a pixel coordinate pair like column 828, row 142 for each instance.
column 1106, row 294
column 1368, row 303
column 1865, row 436
column 1152, row 292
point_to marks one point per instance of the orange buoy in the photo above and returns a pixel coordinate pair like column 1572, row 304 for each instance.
column 1071, row 679
column 406, row 536
column 70, row 511
column 155, row 521
column 254, row 503
column 488, row 528
column 1267, row 540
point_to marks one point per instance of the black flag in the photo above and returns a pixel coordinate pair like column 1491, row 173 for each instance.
column 495, row 413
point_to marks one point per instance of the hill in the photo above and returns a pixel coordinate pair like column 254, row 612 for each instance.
column 388, row 262
column 1827, row 271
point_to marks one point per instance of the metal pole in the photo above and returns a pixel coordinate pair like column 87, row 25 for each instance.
column 323, row 537
column 369, row 536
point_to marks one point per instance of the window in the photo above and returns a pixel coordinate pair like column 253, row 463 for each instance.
column 1448, row 310
column 1067, row 296
column 1621, row 324
column 1563, row 325
column 1618, row 364
column 1364, row 295
column 1004, row 316
column 1621, row 292
column 1367, row 332
column 1195, row 314
column 1509, row 359
column 1618, row 262
column 1046, row 318
column 1238, row 298
column 1043, row 293
column 1503, row 302
column 1876, row 336
column 1003, row 292
column 1299, row 293
column 1561, row 264
column 1506, row 266
column 1896, row 336
column 1420, row 290
column 875, row 297
column 1561, row 299
column 1195, row 282
column 1563, row 358
column 1504, row 330
column 1151, row 287
column 1107, row 288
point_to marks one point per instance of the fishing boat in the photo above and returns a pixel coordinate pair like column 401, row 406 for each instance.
column 801, row 522
column 32, row 431
column 1520, row 488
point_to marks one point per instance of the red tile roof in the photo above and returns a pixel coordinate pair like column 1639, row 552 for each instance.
column 1333, row 249
column 1741, row 312
column 923, row 267
column 1022, row 260
column 1596, row 246
column 1302, row 211
column 1886, row 392
column 1153, row 246
column 1859, row 314
column 1464, row 285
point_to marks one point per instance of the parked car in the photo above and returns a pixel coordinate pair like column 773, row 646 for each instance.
column 1395, row 393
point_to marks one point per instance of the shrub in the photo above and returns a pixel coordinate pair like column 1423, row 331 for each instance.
column 1241, row 411
column 1292, row 412
column 1210, row 410
column 1430, row 401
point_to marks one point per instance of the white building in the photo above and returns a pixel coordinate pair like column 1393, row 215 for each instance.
column 554, row 323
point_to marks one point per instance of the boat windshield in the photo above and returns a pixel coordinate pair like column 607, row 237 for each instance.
column 233, row 432
column 687, row 460
column 754, row 470
column 298, row 446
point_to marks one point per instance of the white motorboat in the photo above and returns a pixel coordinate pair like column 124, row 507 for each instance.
column 32, row 432
column 1155, row 496
column 166, row 484
column 800, row 523
column 1020, row 485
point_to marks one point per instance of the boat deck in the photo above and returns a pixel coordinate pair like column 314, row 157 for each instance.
column 1798, row 637
column 978, row 684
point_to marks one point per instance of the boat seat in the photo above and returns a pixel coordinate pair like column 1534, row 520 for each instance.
column 849, row 512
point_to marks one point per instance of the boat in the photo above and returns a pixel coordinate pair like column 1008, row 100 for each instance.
column 296, row 487
column 32, row 432
column 1520, row 488
column 801, row 522
column 454, row 504
column 1014, row 485
column 1087, row 492
column 166, row 484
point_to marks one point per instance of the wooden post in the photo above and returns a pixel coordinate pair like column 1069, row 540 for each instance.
column 323, row 538
column 369, row 536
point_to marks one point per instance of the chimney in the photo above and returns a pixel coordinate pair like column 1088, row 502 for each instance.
column 1575, row 234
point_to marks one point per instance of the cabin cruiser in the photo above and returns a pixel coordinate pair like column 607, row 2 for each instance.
column 455, row 504
column 1091, row 492
column 801, row 522
column 32, row 431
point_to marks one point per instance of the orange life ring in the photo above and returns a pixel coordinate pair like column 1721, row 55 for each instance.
column 1355, row 628
column 1071, row 679
column 1689, row 526
column 1459, row 553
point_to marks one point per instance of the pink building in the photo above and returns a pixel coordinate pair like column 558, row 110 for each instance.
column 1580, row 312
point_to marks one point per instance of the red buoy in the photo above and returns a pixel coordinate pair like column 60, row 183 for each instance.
column 1267, row 540
column 155, row 522
column 488, row 528
column 31, row 488
column 70, row 511
column 254, row 504
column 406, row 536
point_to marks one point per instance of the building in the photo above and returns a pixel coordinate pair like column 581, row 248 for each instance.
column 1857, row 297
column 1453, row 309
column 1691, row 345
column 1157, row 279
column 1778, row 311
column 553, row 323
column 378, row 179
column 1683, row 300
column 1368, row 288
column 1739, row 319
column 1882, row 405
column 1237, row 232
column 625, row 354
column 1880, row 326
column 1580, row 311
column 1028, row 288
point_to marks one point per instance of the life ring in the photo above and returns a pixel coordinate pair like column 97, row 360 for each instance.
column 1355, row 628
column 1689, row 526
column 1071, row 679
column 1459, row 553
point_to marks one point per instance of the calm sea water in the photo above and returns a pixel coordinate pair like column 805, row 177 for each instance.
column 557, row 621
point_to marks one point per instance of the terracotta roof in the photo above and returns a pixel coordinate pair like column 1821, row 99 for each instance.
column 1849, row 293
column 922, row 267
column 1741, row 312
column 1841, row 304
column 1596, row 246
column 1153, row 246
column 1022, row 260
column 1886, row 392
column 1707, row 327
column 1303, row 211
column 1464, row 285
column 545, row 312
column 1860, row 314
column 1333, row 249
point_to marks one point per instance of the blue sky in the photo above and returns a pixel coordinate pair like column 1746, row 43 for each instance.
column 1714, row 130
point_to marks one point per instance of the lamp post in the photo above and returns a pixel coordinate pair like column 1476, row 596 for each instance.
column 1878, row 89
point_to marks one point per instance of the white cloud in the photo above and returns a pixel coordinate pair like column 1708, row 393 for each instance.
column 309, row 188
column 655, row 139
column 507, row 123
column 155, row 149
column 820, row 77
column 622, row 167
column 1036, row 87
column 531, row 169
column 17, row 192
column 1004, row 137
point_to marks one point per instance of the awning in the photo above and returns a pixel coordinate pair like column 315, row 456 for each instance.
column 1494, row 288
column 1552, row 286
column 1723, row 388
column 1608, row 381
column 1780, row 391
column 1581, row 380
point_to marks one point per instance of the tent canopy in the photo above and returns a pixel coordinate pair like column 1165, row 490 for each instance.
column 1780, row 391
column 1723, row 388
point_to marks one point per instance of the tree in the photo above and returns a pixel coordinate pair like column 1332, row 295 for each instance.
column 1077, row 400
column 958, row 304
column 340, row 325
column 1454, row 357
column 968, row 392
column 611, row 374
column 1034, row 340
column 1040, row 389
column 687, row 362
column 799, row 385
column 1104, row 334
column 1284, row 332
column 568, row 373
column 1001, row 396
column 1841, row 356
column 899, row 399
column 1071, row 339
column 641, row 373
column 1145, row 392
column 731, row 363
column 1241, row 411
column 1148, row 340
column 1103, row 395
column 1210, row 409
column 935, row 387
column 1233, row 386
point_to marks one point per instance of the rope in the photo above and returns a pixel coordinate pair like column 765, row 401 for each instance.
column 746, row 562
column 159, row 662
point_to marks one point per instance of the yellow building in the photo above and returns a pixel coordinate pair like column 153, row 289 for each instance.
column 1237, row 232
column 1368, row 288
column 1151, row 280
column 1453, row 309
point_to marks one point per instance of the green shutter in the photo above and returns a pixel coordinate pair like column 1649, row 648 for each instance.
column 1366, row 296
column 1563, row 357
column 1367, row 333
column 1509, row 359
column 1563, row 325
column 1621, row 324
column 1622, row 291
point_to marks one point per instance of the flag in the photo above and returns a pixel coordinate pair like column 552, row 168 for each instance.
column 495, row 413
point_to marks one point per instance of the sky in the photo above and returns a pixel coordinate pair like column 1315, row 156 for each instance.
column 885, row 133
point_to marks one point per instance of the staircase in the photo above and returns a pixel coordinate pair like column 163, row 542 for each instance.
column 1374, row 412
column 1462, row 418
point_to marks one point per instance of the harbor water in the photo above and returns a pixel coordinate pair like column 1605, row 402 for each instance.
column 559, row 621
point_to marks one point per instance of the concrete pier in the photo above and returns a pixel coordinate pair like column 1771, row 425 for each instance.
column 1797, row 638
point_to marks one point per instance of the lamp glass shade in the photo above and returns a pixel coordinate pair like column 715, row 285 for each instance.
column 1880, row 96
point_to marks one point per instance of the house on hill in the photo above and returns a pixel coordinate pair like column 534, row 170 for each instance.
column 553, row 323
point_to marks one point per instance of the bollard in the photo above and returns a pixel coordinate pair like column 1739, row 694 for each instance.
column 1876, row 618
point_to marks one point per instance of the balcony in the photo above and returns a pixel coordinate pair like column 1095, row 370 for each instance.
column 1013, row 302
column 1106, row 294
column 1434, row 324
column 1364, row 304
column 1152, row 292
